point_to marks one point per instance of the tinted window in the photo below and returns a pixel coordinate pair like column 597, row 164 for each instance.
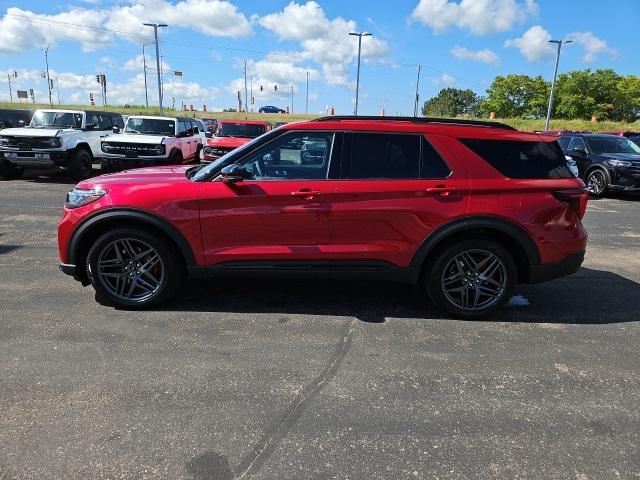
column 577, row 142
column 296, row 156
column 432, row 165
column 150, row 126
column 183, row 127
column 513, row 159
column 387, row 156
column 117, row 120
column 240, row 130
column 564, row 143
column 92, row 119
column 104, row 122
column 612, row 145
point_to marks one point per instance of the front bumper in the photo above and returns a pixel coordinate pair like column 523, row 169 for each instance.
column 120, row 162
column 550, row 271
column 35, row 158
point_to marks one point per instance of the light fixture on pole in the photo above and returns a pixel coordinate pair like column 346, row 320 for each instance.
column 359, row 35
column 553, row 84
column 155, row 33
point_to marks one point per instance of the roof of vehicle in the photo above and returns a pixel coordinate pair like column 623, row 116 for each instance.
column 245, row 122
column 590, row 135
column 454, row 127
column 62, row 110
column 623, row 133
column 158, row 117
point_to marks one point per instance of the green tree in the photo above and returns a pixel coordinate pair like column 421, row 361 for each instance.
column 517, row 96
column 583, row 93
column 452, row 102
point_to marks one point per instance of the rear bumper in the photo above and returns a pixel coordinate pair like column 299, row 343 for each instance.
column 549, row 271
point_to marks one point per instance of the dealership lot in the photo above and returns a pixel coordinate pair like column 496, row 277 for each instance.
column 256, row 379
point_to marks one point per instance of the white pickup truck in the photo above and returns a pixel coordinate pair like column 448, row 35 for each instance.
column 148, row 140
column 66, row 139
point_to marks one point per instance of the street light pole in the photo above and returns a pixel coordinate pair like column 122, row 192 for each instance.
column 46, row 59
column 553, row 84
column 144, row 67
column 155, row 33
column 416, row 104
column 306, row 108
column 9, row 77
column 359, row 35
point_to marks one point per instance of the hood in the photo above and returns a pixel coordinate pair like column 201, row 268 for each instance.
column 134, row 138
column 139, row 176
column 34, row 132
column 627, row 157
column 228, row 141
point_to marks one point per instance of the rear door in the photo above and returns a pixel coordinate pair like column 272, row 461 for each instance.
column 393, row 190
column 95, row 135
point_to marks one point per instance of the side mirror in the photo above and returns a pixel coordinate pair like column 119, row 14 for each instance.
column 232, row 173
column 578, row 152
column 208, row 134
column 21, row 123
column 115, row 129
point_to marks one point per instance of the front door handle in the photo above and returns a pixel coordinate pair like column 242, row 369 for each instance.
column 306, row 193
column 441, row 190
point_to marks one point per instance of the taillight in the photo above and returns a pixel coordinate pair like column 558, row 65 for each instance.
column 577, row 199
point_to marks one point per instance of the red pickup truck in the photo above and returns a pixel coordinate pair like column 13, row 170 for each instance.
column 231, row 134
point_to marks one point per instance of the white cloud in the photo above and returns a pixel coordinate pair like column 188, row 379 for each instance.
column 592, row 46
column 136, row 64
column 533, row 44
column 485, row 56
column 480, row 17
column 448, row 79
column 23, row 29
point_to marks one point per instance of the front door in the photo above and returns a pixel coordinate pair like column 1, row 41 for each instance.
column 394, row 190
column 279, row 212
column 95, row 134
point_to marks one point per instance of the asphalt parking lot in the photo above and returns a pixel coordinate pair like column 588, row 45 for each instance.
column 300, row 380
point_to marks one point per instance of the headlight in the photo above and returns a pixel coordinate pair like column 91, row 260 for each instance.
column 214, row 152
column 4, row 140
column 618, row 163
column 54, row 141
column 208, row 151
column 106, row 147
column 79, row 197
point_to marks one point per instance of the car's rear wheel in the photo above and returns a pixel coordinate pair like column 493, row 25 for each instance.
column 79, row 165
column 471, row 279
column 10, row 171
column 133, row 269
column 597, row 181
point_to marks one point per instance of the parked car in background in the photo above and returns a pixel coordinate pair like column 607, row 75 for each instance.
column 279, row 124
column 270, row 109
column 623, row 133
column 14, row 118
column 67, row 139
column 438, row 204
column 150, row 140
column 635, row 139
column 605, row 162
column 211, row 124
column 202, row 130
column 230, row 135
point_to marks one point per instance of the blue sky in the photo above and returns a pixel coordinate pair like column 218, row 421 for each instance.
column 464, row 43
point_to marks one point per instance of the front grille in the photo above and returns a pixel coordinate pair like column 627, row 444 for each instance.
column 28, row 142
column 218, row 151
column 145, row 149
column 635, row 170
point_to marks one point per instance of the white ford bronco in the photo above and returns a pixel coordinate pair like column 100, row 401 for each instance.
column 66, row 139
column 148, row 140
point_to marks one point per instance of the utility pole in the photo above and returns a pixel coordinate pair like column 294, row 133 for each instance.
column 144, row 67
column 155, row 33
column 57, row 89
column 9, row 77
column 553, row 84
column 251, row 85
column 46, row 59
column 246, row 103
column 359, row 35
column 306, row 108
column 415, row 107
column 291, row 98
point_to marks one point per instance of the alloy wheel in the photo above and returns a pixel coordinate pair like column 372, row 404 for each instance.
column 597, row 182
column 474, row 280
column 130, row 269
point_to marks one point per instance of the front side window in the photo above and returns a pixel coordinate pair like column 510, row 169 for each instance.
column 45, row 119
column 515, row 159
column 104, row 122
column 150, row 126
column 381, row 156
column 295, row 156
column 577, row 143
column 601, row 145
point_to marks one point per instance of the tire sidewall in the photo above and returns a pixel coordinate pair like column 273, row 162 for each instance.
column 172, row 265
column 607, row 181
column 433, row 276
column 9, row 171
column 79, row 165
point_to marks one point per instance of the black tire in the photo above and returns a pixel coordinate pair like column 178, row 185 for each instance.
column 79, row 165
column 106, row 167
column 196, row 158
column 597, row 182
column 176, row 157
column 444, row 269
column 10, row 171
column 170, row 273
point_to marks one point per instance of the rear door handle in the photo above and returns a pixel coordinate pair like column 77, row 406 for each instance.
column 441, row 190
column 308, row 194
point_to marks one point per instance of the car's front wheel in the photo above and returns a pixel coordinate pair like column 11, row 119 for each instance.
column 597, row 182
column 10, row 171
column 133, row 269
column 471, row 279
column 80, row 164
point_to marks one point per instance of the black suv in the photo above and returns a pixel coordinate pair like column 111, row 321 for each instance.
column 605, row 162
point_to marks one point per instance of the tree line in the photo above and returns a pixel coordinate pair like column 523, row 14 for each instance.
column 580, row 94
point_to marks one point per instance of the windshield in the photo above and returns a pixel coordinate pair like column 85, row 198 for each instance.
column 243, row 130
column 600, row 145
column 43, row 119
column 199, row 173
column 151, row 126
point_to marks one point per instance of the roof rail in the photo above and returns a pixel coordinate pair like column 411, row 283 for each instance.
column 443, row 121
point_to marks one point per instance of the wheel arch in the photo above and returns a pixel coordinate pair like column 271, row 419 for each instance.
column 514, row 238
column 91, row 228
column 83, row 146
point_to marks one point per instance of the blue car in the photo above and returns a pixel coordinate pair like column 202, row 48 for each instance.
column 270, row 109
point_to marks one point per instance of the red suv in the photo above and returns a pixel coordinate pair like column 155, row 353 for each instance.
column 464, row 209
column 231, row 134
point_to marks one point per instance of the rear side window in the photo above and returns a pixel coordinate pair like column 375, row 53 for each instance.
column 384, row 156
column 513, row 159
column 564, row 143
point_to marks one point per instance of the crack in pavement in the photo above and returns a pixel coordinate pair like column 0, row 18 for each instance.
column 269, row 441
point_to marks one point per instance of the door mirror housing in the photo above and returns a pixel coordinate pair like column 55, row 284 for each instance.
column 578, row 152
column 232, row 173
column 115, row 129
column 208, row 134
